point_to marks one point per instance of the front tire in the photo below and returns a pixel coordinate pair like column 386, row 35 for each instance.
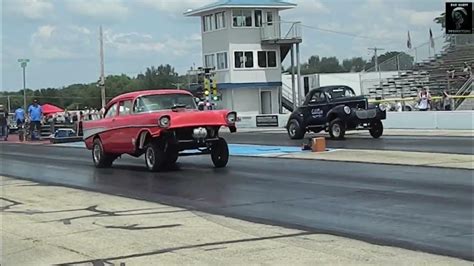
column 294, row 130
column 376, row 129
column 172, row 155
column 220, row 153
column 337, row 129
column 100, row 158
column 154, row 157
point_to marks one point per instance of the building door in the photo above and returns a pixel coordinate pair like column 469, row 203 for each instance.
column 266, row 102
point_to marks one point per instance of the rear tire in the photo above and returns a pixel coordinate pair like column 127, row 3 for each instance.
column 376, row 129
column 154, row 156
column 100, row 158
column 337, row 129
column 294, row 130
column 220, row 153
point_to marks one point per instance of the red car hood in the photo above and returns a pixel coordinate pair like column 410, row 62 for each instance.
column 196, row 118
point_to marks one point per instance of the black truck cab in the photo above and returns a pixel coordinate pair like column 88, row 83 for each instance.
column 335, row 109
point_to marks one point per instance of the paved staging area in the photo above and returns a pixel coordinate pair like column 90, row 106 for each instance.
column 44, row 225
column 461, row 161
column 432, row 143
column 417, row 208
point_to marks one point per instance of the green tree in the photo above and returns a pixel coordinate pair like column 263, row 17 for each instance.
column 355, row 64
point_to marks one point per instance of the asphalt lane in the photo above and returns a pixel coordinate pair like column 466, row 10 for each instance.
column 457, row 145
column 419, row 208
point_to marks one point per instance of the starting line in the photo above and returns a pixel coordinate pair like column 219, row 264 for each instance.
column 234, row 149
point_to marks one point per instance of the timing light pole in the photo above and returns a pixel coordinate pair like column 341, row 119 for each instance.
column 23, row 64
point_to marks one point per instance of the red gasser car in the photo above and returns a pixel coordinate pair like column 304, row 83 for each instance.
column 160, row 124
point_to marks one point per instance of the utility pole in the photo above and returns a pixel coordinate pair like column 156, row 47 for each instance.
column 102, row 72
column 178, row 85
column 23, row 64
column 9, row 103
column 377, row 68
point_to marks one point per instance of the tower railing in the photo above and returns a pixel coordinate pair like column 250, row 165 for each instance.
column 281, row 30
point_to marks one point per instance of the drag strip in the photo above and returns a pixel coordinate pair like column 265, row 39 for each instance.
column 418, row 208
column 457, row 145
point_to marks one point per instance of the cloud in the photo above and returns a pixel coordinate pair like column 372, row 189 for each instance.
column 135, row 43
column 99, row 9
column 174, row 6
column 51, row 42
column 418, row 18
column 30, row 9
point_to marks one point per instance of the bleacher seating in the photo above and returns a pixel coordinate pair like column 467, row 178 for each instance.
column 431, row 73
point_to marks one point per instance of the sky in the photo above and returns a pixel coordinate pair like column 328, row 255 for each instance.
column 60, row 37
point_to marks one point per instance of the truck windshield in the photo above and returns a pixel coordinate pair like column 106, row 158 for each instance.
column 164, row 102
column 340, row 93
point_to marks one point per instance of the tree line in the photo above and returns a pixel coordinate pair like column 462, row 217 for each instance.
column 82, row 96
column 390, row 61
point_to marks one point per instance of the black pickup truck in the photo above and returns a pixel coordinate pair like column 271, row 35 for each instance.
column 335, row 109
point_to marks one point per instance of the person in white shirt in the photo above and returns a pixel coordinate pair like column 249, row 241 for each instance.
column 424, row 100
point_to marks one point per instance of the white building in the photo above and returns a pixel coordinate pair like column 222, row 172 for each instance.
column 246, row 42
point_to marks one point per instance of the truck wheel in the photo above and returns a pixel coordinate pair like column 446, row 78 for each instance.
column 376, row 129
column 220, row 153
column 294, row 130
column 154, row 156
column 337, row 129
column 100, row 157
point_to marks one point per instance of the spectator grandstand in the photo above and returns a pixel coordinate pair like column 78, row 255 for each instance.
column 432, row 73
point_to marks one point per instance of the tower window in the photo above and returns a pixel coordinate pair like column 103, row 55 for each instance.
column 242, row 18
column 267, row 59
column 243, row 59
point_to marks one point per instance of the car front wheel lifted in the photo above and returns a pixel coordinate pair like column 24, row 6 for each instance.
column 337, row 129
column 294, row 130
column 220, row 153
column 376, row 129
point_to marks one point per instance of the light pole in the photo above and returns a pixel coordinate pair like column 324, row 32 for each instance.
column 23, row 64
column 177, row 85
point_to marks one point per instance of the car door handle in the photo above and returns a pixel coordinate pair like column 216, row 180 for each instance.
column 113, row 119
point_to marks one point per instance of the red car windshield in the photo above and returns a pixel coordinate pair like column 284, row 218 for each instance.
column 164, row 102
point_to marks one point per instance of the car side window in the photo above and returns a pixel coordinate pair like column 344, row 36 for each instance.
column 112, row 111
column 318, row 97
column 125, row 108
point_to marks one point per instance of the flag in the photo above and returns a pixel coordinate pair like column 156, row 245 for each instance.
column 409, row 41
column 431, row 39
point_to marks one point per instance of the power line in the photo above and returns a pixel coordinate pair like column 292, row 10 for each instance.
column 343, row 33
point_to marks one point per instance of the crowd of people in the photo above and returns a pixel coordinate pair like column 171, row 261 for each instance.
column 466, row 71
column 30, row 122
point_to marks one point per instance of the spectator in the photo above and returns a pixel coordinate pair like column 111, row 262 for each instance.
column 451, row 71
column 467, row 70
column 36, row 114
column 4, row 123
column 19, row 117
column 446, row 101
column 424, row 100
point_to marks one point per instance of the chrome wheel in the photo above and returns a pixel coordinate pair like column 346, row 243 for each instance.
column 336, row 130
column 292, row 130
column 150, row 158
column 97, row 153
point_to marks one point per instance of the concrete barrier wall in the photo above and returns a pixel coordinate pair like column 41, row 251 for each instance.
column 462, row 120
column 430, row 120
